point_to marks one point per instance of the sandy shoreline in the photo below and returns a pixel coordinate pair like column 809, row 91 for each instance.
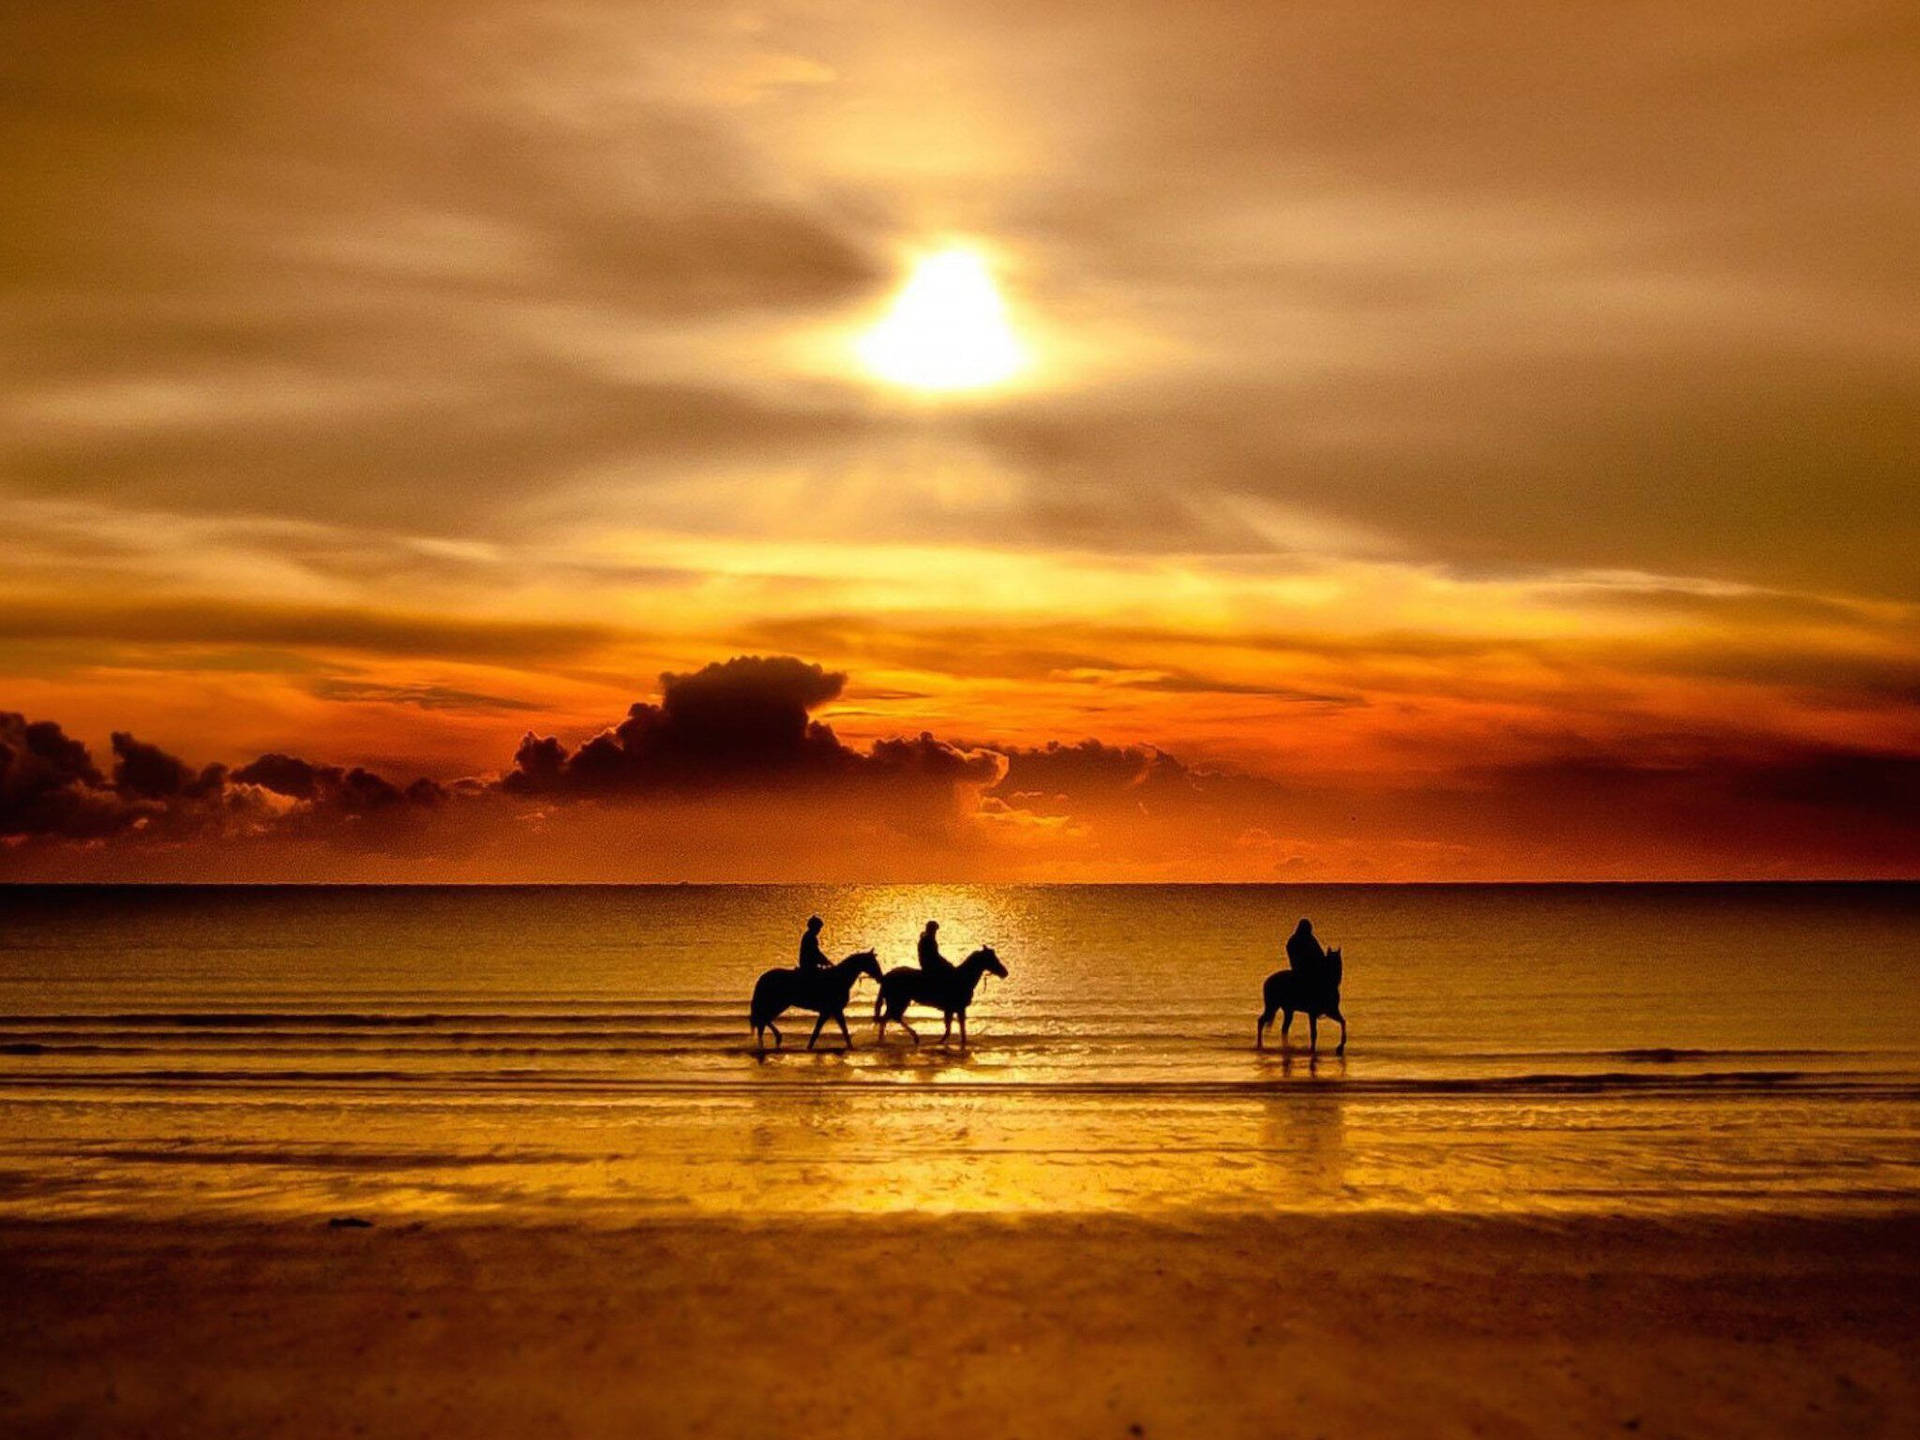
column 1043, row 1326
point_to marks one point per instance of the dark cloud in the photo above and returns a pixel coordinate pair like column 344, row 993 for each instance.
column 147, row 772
column 1073, row 770
column 741, row 722
column 1683, row 798
column 728, row 775
column 741, row 726
column 286, row 775
column 1881, row 785
column 49, row 784
column 334, row 789
column 51, row 790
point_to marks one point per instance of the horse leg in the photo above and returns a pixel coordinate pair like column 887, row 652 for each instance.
column 1341, row 1048
column 777, row 1042
column 1260, row 1030
column 963, row 1029
column 816, row 1029
column 908, row 1028
column 840, row 1019
column 1313, row 1033
column 760, row 1037
column 947, row 1034
column 1286, row 1024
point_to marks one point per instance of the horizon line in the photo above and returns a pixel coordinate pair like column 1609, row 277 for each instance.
column 1755, row 881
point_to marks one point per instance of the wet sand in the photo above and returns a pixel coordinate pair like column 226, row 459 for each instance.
column 1041, row 1326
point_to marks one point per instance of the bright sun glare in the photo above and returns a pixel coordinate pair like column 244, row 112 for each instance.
column 947, row 329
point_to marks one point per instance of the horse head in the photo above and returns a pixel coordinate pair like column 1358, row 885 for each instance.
column 1333, row 969
column 862, row 962
column 984, row 959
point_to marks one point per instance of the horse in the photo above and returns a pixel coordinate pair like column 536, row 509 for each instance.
column 1289, row 990
column 949, row 994
column 826, row 991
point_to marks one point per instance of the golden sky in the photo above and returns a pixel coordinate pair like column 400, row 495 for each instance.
column 1335, row 441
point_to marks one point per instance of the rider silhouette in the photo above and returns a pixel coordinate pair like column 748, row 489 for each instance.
column 931, row 960
column 812, row 957
column 1304, row 954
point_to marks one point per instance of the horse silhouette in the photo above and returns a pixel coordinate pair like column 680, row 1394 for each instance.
column 1291, row 990
column 825, row 991
column 949, row 993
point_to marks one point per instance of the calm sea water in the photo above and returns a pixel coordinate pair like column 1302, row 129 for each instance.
column 584, row 1053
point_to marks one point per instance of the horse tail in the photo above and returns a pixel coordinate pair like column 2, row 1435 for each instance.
column 766, row 1002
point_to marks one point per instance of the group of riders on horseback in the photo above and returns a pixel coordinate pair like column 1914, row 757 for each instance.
column 1309, row 984
column 820, row 985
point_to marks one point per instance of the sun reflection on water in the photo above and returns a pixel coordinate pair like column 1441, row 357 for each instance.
column 587, row 1055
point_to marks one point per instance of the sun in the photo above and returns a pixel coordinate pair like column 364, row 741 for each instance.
column 947, row 329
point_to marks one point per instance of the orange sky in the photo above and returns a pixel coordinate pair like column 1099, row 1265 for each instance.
column 1435, row 443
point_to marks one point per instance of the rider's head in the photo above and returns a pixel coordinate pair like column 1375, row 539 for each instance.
column 1306, row 927
column 932, row 925
column 815, row 923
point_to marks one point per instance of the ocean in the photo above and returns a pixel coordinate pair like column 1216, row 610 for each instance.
column 583, row 1053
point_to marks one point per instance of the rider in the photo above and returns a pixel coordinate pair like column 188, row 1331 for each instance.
column 931, row 960
column 1304, row 954
column 812, row 957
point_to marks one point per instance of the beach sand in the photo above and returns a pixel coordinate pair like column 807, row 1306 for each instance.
column 1040, row 1326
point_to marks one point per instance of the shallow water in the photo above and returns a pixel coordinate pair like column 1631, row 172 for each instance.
column 584, row 1052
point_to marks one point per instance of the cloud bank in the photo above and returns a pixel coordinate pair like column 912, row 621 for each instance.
column 727, row 776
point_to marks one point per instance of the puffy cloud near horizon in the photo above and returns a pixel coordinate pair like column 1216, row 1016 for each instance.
column 738, row 723
column 728, row 776
column 52, row 792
